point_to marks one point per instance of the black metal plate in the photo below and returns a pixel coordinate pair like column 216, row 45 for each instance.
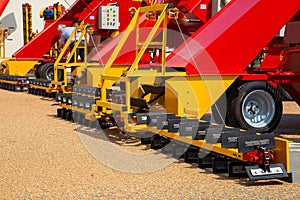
column 154, row 117
column 230, row 139
column 174, row 123
column 247, row 143
column 142, row 118
column 186, row 127
column 162, row 121
column 137, row 102
column 153, row 89
column 142, row 134
column 199, row 132
column 213, row 134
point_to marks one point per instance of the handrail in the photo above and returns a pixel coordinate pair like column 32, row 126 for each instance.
column 63, row 64
column 104, row 82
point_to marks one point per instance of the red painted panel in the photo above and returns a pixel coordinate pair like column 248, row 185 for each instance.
column 127, row 53
column 3, row 5
column 38, row 46
column 81, row 10
column 200, row 8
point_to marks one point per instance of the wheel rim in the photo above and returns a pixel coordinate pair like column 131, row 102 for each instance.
column 258, row 108
column 50, row 74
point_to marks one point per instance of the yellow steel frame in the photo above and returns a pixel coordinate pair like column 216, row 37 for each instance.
column 9, row 82
column 161, row 19
column 191, row 97
column 194, row 95
column 11, row 65
column 27, row 23
column 58, row 11
column 18, row 67
column 46, row 89
column 207, row 88
column 60, row 64
column 89, row 115
column 112, row 73
column 3, row 34
column 281, row 151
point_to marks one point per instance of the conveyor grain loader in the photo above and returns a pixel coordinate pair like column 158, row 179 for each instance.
column 234, row 59
column 159, row 85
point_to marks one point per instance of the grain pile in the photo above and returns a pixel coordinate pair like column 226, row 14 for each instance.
column 43, row 157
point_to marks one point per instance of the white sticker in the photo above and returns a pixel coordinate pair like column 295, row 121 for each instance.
column 203, row 6
column 144, row 118
column 260, row 172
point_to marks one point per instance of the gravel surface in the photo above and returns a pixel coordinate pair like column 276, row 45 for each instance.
column 289, row 127
column 43, row 157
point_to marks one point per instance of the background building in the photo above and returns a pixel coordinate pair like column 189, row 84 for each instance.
column 12, row 17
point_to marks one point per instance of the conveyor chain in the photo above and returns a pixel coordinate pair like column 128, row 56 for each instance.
column 39, row 87
column 256, row 161
column 14, row 83
column 246, row 141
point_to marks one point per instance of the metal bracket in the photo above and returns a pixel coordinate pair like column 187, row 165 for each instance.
column 277, row 171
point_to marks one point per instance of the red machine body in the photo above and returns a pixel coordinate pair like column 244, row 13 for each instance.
column 226, row 44
column 229, row 42
column 192, row 15
column 86, row 11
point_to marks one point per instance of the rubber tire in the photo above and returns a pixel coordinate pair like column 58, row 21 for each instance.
column 48, row 68
column 39, row 71
column 235, row 100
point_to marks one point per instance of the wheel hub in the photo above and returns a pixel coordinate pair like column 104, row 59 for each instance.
column 258, row 108
column 252, row 108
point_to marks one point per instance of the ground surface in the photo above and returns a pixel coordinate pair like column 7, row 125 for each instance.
column 43, row 157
